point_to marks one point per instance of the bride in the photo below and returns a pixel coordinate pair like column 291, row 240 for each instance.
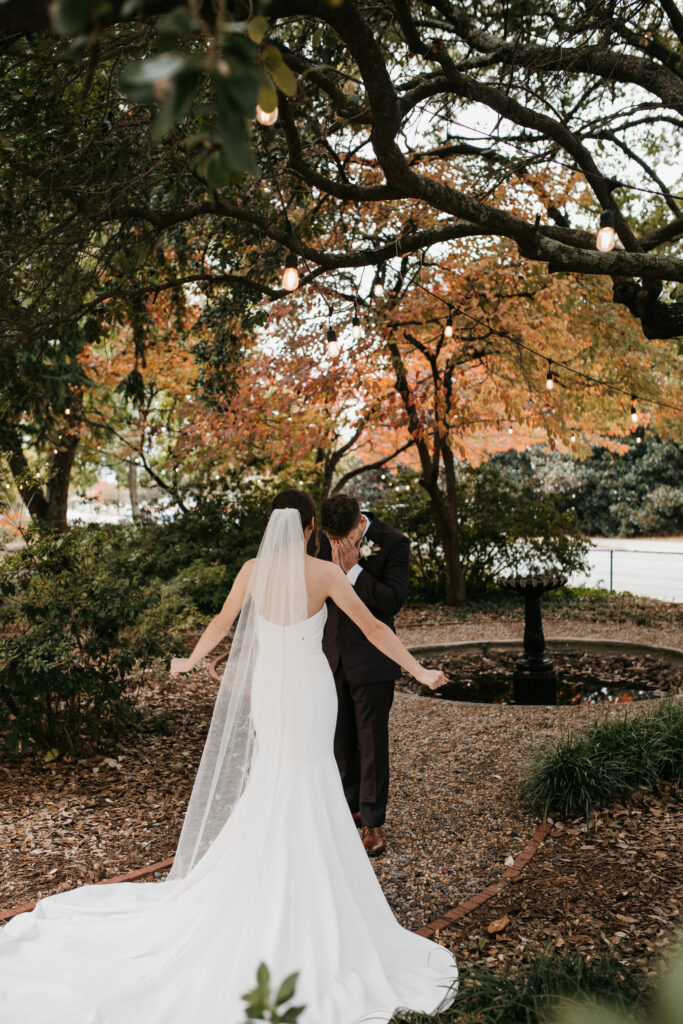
column 269, row 866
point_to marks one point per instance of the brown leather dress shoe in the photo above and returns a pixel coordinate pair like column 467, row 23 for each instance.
column 356, row 819
column 373, row 841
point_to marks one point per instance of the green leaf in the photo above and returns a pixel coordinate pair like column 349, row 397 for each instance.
column 69, row 17
column 263, row 979
column 141, row 79
column 286, row 990
column 256, row 29
column 278, row 70
column 176, row 104
column 217, row 170
column 267, row 98
column 178, row 22
column 290, row 1015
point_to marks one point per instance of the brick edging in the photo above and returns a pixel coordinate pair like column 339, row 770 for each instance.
column 130, row 876
column 509, row 874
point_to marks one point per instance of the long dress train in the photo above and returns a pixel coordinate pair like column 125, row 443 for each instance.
column 286, row 882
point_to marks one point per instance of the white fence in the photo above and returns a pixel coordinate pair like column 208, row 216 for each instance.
column 646, row 572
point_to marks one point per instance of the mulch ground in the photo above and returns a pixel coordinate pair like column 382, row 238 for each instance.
column 454, row 821
column 617, row 888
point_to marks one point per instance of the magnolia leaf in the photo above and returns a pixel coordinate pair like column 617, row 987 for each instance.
column 68, row 17
column 267, row 98
column 257, row 28
column 145, row 80
column 178, row 22
column 278, row 70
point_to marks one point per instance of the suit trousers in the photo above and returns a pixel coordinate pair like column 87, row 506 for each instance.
column 361, row 745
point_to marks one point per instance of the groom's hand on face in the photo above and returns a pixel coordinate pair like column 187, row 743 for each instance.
column 345, row 553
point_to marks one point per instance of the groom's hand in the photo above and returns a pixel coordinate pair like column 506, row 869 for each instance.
column 345, row 553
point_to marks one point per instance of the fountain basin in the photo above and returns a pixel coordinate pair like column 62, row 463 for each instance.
column 589, row 671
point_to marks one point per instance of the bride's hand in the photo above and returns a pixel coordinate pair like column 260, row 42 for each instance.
column 179, row 665
column 432, row 677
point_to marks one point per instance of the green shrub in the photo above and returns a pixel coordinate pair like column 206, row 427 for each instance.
column 607, row 762
column 637, row 493
column 504, row 523
column 70, row 644
column 530, row 992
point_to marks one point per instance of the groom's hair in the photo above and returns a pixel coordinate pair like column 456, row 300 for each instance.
column 340, row 513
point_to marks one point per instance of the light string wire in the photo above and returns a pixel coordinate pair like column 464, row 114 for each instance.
column 453, row 307
column 541, row 355
column 611, row 182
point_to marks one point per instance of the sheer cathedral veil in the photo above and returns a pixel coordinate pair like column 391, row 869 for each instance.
column 277, row 593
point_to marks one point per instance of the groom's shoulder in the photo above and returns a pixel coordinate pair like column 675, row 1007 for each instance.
column 389, row 533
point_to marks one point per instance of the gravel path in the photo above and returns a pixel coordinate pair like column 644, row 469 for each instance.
column 454, row 815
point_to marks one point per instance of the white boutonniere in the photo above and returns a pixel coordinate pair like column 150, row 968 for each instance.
column 368, row 548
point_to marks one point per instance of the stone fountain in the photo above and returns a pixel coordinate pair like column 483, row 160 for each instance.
column 534, row 680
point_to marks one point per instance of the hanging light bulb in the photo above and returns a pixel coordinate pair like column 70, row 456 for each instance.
column 267, row 117
column 332, row 343
column 549, row 381
column 605, row 238
column 573, row 438
column 377, row 286
column 634, row 411
column 509, row 430
column 67, row 410
column 290, row 276
column 638, row 439
column 448, row 329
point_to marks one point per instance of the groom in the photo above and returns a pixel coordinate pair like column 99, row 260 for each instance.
column 375, row 558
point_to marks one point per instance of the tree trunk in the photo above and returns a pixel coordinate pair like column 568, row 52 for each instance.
column 133, row 489
column 61, row 465
column 445, row 513
column 46, row 505
column 456, row 575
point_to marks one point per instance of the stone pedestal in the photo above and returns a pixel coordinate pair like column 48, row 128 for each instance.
column 534, row 680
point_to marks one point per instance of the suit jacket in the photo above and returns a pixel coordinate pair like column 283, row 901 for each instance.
column 383, row 586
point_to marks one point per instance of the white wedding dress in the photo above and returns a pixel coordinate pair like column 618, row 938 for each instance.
column 286, row 881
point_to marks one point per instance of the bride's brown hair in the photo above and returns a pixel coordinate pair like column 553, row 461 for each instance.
column 305, row 506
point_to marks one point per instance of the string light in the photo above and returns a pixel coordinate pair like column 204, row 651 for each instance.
column 267, row 117
column 290, row 275
column 448, row 329
column 377, row 286
column 355, row 323
column 605, row 238
column 332, row 342
column 67, row 411
column 509, row 430
column 573, row 438
column 634, row 411
column 549, row 381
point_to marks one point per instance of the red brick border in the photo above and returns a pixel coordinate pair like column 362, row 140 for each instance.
column 130, row 876
column 509, row 874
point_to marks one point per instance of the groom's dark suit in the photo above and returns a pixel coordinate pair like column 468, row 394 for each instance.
column 363, row 675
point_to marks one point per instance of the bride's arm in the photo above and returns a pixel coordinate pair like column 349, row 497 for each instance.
column 378, row 633
column 220, row 624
